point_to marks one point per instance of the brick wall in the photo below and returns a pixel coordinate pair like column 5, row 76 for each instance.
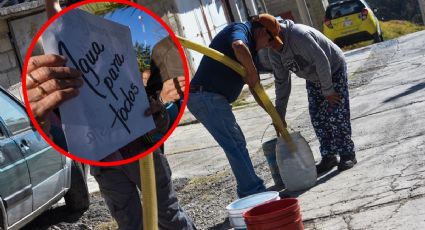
column 10, row 73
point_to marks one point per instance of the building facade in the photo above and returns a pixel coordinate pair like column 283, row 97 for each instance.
column 18, row 25
column 309, row 12
column 201, row 20
column 197, row 20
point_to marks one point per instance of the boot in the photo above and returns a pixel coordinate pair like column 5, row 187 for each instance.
column 347, row 162
column 326, row 164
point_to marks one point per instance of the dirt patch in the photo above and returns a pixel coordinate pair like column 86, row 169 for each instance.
column 203, row 198
column 59, row 217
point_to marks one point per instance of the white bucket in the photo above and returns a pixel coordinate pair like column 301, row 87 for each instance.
column 298, row 170
column 238, row 207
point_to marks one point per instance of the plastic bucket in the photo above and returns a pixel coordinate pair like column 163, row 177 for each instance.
column 269, row 149
column 282, row 214
column 238, row 207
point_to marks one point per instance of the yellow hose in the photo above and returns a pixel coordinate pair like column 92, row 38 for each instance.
column 147, row 170
column 258, row 88
column 150, row 207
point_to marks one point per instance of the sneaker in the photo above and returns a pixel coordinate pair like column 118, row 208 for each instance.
column 347, row 162
column 326, row 164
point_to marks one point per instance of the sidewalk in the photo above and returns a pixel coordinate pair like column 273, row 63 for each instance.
column 385, row 190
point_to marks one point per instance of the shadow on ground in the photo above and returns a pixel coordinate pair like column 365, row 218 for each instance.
column 410, row 90
column 54, row 216
column 321, row 180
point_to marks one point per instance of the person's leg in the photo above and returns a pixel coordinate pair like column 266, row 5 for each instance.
column 319, row 119
column 339, row 120
column 170, row 214
column 317, row 106
column 215, row 113
column 121, row 197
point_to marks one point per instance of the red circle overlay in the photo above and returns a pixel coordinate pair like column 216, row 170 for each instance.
column 140, row 155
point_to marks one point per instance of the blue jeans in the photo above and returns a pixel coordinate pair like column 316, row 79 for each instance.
column 215, row 113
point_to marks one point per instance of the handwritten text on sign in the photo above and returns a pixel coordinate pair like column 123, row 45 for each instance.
column 108, row 113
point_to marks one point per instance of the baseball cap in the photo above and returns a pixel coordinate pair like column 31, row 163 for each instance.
column 271, row 24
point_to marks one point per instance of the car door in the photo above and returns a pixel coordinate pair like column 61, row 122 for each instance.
column 15, row 183
column 44, row 163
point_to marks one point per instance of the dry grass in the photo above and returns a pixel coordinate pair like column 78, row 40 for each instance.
column 391, row 29
column 107, row 226
column 395, row 28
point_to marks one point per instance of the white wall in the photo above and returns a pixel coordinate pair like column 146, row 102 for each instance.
column 200, row 22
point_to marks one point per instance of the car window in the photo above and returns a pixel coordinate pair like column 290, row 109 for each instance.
column 13, row 115
column 344, row 9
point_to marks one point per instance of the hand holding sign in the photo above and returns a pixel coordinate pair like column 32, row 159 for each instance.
column 49, row 84
column 109, row 112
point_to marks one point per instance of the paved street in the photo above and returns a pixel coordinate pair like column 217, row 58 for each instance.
column 386, row 189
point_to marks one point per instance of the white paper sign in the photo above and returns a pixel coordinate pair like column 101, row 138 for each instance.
column 109, row 112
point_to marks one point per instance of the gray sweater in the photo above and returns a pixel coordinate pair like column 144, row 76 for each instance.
column 307, row 53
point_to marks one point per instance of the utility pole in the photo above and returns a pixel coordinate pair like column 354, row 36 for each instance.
column 422, row 6
column 305, row 14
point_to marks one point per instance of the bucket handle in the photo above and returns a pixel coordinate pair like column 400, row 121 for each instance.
column 264, row 133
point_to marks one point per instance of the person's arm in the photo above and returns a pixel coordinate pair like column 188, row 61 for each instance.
column 311, row 50
column 282, row 84
column 243, row 55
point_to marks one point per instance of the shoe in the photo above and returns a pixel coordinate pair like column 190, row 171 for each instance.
column 326, row 164
column 347, row 162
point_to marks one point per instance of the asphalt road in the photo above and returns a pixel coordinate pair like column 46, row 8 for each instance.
column 385, row 190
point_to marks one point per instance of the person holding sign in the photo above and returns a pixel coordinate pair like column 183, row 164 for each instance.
column 164, row 82
column 118, row 185
column 49, row 85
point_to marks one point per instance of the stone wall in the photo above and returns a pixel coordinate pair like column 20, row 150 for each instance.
column 10, row 73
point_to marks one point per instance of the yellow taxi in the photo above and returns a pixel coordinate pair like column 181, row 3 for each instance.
column 351, row 21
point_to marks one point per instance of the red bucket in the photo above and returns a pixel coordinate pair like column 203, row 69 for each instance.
column 282, row 214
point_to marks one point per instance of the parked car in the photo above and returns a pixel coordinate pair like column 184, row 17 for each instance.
column 351, row 21
column 33, row 176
